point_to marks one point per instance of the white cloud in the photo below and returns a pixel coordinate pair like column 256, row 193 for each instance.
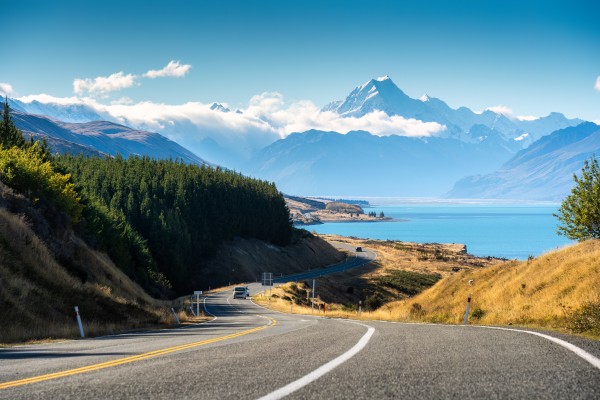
column 501, row 109
column 103, row 85
column 173, row 68
column 6, row 89
column 527, row 118
column 597, row 85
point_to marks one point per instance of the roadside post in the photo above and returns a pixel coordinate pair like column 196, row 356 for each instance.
column 79, row 322
column 267, row 281
column 359, row 308
column 175, row 315
column 197, row 293
column 312, row 304
column 466, row 320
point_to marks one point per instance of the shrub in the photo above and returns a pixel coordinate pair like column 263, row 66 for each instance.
column 26, row 171
column 416, row 310
column 586, row 319
column 477, row 313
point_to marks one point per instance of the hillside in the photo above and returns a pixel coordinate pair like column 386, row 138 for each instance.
column 129, row 230
column 543, row 171
column 560, row 289
column 100, row 137
column 46, row 270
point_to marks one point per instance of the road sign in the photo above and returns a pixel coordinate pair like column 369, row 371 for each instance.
column 196, row 292
column 267, row 279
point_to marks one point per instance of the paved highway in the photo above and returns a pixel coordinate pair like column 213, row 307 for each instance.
column 248, row 352
column 355, row 259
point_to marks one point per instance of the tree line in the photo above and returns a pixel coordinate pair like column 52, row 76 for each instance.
column 158, row 220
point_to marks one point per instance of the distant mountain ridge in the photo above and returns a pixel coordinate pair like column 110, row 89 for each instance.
column 382, row 94
column 543, row 171
column 359, row 164
column 101, row 137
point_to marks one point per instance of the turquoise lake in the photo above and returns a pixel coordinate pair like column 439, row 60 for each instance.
column 508, row 231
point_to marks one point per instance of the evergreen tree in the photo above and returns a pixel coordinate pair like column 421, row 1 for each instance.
column 10, row 135
column 579, row 213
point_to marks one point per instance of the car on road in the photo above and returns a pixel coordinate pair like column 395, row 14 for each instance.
column 359, row 249
column 241, row 292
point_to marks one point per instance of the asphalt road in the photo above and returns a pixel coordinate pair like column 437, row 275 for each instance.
column 356, row 259
column 248, row 352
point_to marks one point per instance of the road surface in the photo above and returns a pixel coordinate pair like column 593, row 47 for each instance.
column 248, row 352
column 355, row 259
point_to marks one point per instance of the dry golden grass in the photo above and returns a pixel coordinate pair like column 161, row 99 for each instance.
column 542, row 292
column 38, row 295
column 547, row 292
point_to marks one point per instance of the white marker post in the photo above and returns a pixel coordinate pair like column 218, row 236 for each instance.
column 175, row 315
column 312, row 305
column 467, row 311
column 79, row 322
column 197, row 293
column 466, row 320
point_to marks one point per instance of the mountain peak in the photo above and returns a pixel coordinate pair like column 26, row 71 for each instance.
column 219, row 107
column 383, row 78
column 425, row 98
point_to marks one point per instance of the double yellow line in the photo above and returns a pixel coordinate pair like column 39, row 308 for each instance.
column 127, row 360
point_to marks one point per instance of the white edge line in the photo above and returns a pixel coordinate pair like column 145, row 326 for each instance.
column 322, row 370
column 206, row 309
column 569, row 346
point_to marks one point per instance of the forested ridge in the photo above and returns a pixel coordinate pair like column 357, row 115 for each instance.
column 158, row 220
column 161, row 218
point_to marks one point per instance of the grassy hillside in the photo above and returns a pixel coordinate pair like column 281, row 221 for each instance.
column 38, row 292
column 560, row 289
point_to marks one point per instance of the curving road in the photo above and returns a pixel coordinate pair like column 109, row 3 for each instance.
column 248, row 352
column 357, row 259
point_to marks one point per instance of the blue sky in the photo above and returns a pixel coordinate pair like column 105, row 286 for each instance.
column 533, row 58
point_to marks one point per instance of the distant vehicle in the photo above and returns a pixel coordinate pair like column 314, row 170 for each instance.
column 358, row 249
column 241, row 292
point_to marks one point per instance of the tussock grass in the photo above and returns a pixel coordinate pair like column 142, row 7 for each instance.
column 544, row 292
column 559, row 290
column 38, row 294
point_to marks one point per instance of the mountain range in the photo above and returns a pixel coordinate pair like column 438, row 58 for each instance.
column 101, row 137
column 382, row 94
column 473, row 154
column 543, row 171
column 359, row 163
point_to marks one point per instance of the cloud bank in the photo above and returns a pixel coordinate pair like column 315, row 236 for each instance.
column 266, row 119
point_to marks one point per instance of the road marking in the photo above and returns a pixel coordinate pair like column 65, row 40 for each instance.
column 571, row 347
column 323, row 369
column 127, row 360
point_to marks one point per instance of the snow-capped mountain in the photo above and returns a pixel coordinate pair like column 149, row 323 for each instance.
column 382, row 94
column 58, row 111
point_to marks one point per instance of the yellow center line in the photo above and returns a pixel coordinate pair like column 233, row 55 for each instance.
column 127, row 360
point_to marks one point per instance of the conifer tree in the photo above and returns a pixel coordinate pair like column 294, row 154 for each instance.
column 579, row 213
column 10, row 135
